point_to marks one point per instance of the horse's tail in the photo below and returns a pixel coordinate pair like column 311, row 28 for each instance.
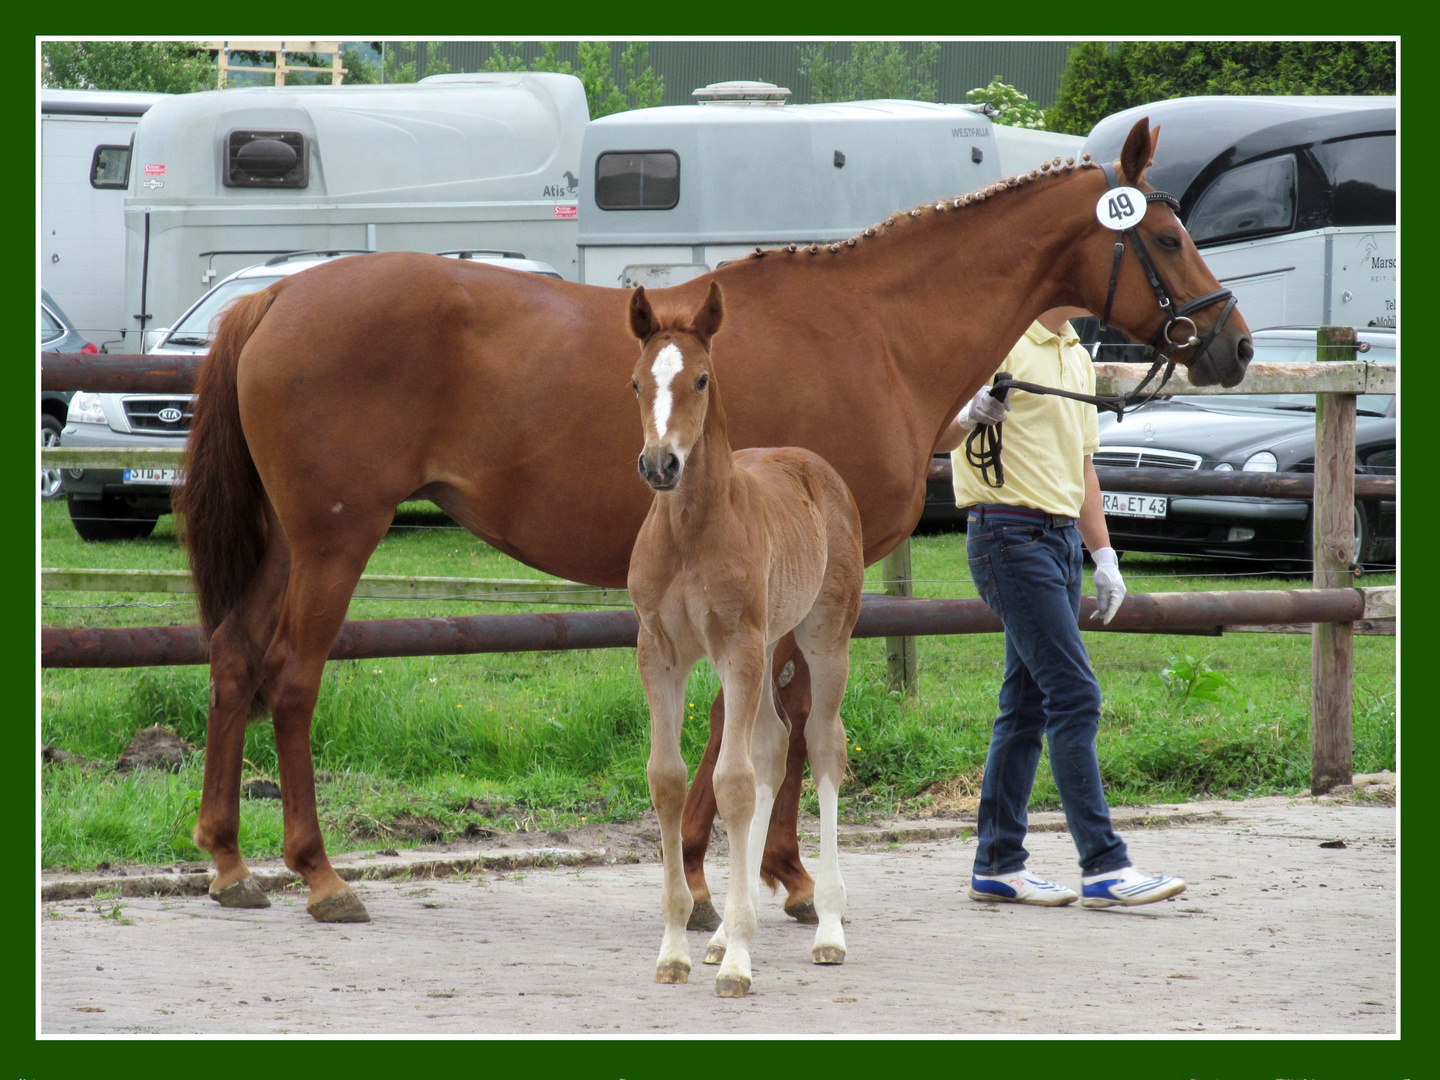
column 222, row 500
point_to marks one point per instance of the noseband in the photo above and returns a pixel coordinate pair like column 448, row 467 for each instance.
column 1178, row 330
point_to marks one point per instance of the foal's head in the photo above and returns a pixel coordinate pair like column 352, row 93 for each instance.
column 673, row 382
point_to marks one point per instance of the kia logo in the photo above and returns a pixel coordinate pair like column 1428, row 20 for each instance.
column 171, row 415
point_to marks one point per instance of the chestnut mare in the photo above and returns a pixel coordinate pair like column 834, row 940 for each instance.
column 736, row 552
column 338, row 393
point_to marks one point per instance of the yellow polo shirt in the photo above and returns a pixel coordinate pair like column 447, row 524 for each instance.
column 1045, row 438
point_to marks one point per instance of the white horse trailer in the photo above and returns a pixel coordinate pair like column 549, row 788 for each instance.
column 672, row 192
column 85, row 138
column 226, row 178
column 1292, row 200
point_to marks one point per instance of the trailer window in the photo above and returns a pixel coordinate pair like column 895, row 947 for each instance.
column 1252, row 200
column 110, row 167
column 266, row 159
column 1361, row 172
column 637, row 180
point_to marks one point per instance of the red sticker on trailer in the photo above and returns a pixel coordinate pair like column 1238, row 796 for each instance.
column 154, row 170
column 566, row 211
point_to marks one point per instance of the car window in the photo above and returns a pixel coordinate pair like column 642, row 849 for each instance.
column 196, row 323
column 1252, row 200
column 50, row 330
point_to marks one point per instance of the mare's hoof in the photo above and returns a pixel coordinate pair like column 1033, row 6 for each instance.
column 827, row 954
column 673, row 972
column 714, row 954
column 245, row 893
column 803, row 912
column 731, row 986
column 343, row 906
column 703, row 917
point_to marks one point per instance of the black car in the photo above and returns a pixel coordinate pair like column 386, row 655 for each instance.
column 1248, row 433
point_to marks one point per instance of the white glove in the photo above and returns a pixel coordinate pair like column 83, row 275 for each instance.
column 983, row 408
column 1109, row 585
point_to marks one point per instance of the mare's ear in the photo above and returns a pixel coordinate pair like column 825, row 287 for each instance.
column 1139, row 146
column 642, row 318
column 710, row 313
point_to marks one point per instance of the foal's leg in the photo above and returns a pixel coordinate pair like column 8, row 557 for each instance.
column 827, row 766
column 781, row 863
column 767, row 756
column 665, row 689
column 236, row 677
column 743, row 675
column 321, row 585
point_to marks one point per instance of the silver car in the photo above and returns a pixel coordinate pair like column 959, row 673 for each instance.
column 116, row 504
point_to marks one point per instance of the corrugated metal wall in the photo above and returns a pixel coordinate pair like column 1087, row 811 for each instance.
column 1033, row 67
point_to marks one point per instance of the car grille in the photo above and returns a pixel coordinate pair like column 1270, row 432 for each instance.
column 153, row 414
column 1133, row 457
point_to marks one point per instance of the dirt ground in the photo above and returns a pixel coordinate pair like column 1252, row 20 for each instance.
column 1288, row 927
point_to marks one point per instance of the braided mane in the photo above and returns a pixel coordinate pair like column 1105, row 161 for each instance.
column 1054, row 167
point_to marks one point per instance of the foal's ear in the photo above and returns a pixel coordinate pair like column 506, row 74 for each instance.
column 642, row 318
column 1139, row 149
column 710, row 313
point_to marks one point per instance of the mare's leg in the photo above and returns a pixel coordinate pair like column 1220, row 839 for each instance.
column 665, row 689
column 743, row 675
column 829, row 671
column 781, row 863
column 322, row 579
column 236, row 677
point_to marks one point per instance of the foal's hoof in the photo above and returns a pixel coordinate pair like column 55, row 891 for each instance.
column 703, row 917
column 673, row 972
column 343, row 906
column 731, row 986
column 827, row 954
column 714, row 954
column 245, row 893
column 803, row 911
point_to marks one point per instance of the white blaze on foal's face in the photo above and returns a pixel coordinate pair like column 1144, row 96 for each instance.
column 668, row 363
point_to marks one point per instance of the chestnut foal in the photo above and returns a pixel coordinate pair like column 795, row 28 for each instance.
column 738, row 550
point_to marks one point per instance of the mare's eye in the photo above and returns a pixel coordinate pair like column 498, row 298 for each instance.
column 1168, row 242
column 634, row 386
column 702, row 382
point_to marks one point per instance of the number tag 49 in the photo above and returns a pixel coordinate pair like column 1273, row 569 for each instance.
column 1121, row 207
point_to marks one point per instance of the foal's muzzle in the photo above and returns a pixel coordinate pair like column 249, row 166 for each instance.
column 660, row 468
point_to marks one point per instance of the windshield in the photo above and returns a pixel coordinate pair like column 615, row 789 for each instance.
column 1374, row 404
column 195, row 328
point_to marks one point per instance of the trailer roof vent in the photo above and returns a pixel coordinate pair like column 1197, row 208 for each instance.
column 741, row 92
column 267, row 159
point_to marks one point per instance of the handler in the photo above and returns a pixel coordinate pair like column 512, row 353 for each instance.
column 1025, row 559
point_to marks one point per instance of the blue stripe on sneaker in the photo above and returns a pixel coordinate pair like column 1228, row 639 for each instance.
column 993, row 888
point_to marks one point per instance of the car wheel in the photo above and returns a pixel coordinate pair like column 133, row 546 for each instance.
column 109, row 518
column 49, row 436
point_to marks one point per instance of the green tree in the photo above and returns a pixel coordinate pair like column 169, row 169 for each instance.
column 638, row 87
column 1102, row 78
column 874, row 69
column 167, row 67
column 401, row 62
column 1016, row 109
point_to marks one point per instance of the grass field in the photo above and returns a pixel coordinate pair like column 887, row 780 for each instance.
column 433, row 747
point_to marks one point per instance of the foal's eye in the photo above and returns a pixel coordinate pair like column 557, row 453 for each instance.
column 702, row 382
column 634, row 386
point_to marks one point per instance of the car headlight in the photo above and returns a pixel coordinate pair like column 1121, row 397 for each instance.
column 1224, row 466
column 85, row 408
column 1264, row 461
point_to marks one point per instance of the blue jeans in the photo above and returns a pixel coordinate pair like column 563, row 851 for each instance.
column 1029, row 575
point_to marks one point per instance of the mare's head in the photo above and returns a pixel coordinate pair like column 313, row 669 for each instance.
column 673, row 381
column 1200, row 329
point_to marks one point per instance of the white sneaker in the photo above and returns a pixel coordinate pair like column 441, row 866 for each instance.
column 1021, row 887
column 1127, row 887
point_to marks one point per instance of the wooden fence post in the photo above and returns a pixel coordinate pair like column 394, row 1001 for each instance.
column 1332, row 665
column 901, row 659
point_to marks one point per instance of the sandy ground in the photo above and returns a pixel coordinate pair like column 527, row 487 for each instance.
column 1276, row 934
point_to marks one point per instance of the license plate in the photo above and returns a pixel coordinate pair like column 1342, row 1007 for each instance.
column 153, row 476
column 1125, row 504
